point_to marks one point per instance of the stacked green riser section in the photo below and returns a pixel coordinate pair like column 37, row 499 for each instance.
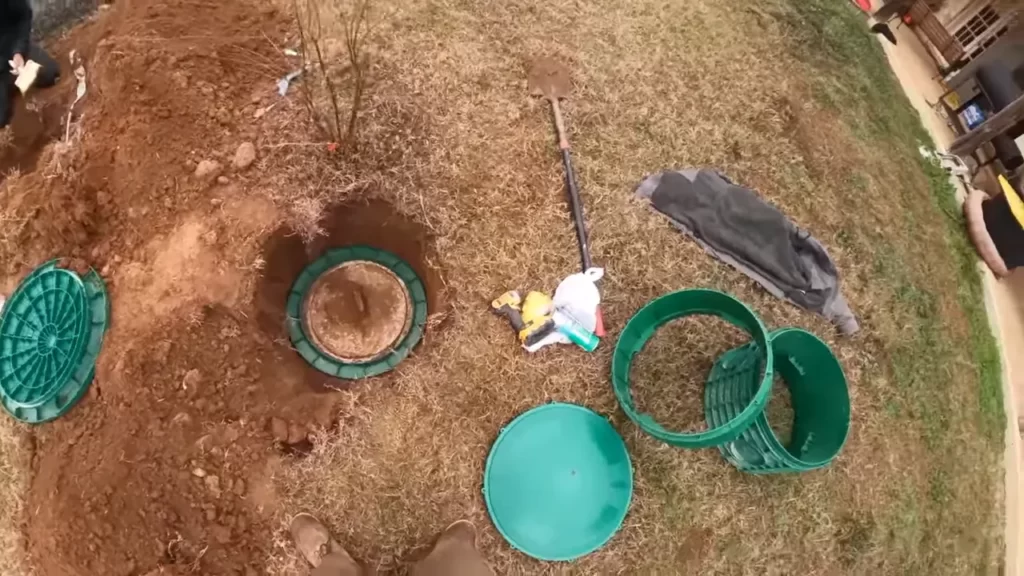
column 740, row 384
column 821, row 404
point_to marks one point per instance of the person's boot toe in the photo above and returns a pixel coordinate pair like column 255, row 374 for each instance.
column 313, row 539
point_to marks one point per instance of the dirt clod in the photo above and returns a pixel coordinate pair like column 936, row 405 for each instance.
column 279, row 429
column 244, row 156
column 192, row 379
column 296, row 433
column 212, row 484
column 208, row 170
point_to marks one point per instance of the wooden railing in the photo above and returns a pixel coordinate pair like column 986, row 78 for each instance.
column 925, row 20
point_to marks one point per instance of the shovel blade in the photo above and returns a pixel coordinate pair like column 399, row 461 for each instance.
column 549, row 78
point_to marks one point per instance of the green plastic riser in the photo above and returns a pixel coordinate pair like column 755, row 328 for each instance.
column 642, row 326
column 821, row 404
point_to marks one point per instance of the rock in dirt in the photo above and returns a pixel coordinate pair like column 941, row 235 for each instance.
column 222, row 180
column 207, row 170
column 213, row 483
column 279, row 429
column 244, row 156
column 192, row 379
column 222, row 534
column 199, row 473
column 296, row 433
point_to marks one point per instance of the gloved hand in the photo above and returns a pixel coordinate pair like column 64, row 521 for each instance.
column 17, row 62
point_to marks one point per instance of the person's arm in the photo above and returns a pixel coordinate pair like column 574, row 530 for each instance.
column 21, row 11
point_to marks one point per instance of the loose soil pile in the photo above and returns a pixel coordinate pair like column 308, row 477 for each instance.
column 166, row 466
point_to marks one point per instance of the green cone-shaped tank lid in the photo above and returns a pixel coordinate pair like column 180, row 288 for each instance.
column 558, row 482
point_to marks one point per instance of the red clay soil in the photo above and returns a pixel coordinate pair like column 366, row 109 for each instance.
column 167, row 81
column 165, row 466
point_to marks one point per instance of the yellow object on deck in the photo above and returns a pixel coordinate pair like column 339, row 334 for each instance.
column 1013, row 200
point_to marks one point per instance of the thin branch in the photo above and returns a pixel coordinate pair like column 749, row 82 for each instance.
column 355, row 26
column 353, row 42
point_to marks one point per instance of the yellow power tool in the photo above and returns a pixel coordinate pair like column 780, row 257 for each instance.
column 531, row 318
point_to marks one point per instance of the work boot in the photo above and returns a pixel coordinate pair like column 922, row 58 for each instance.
column 454, row 554
column 313, row 540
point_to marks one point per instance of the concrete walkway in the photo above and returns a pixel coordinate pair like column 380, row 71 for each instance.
column 1004, row 299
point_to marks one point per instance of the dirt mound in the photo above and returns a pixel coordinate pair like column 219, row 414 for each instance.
column 160, row 466
column 170, row 84
column 166, row 465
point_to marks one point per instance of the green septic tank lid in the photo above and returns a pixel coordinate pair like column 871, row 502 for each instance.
column 51, row 332
column 351, row 363
column 558, row 482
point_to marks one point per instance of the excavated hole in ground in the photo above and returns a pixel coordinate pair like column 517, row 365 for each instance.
column 375, row 224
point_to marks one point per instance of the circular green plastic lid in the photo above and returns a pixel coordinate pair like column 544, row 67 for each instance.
column 51, row 331
column 323, row 360
column 658, row 312
column 558, row 482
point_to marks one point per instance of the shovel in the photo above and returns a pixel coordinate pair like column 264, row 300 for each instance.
column 550, row 79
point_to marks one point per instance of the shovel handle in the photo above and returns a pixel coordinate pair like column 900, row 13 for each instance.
column 556, row 109
column 575, row 204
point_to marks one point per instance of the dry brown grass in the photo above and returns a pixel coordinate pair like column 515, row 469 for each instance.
column 13, row 464
column 6, row 138
column 779, row 411
column 668, row 375
column 453, row 139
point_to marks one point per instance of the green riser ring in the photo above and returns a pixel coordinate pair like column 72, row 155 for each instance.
column 727, row 398
column 645, row 323
column 758, row 450
column 321, row 360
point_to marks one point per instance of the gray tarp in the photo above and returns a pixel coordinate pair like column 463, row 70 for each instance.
column 735, row 225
